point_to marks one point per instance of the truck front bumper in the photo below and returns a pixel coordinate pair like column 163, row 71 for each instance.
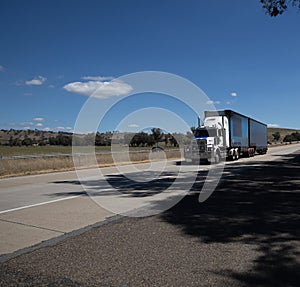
column 195, row 155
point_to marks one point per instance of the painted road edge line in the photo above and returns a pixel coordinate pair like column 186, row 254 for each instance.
column 38, row 204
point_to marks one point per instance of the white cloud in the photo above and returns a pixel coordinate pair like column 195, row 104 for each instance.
column 1, row 68
column 51, row 86
column 97, row 78
column 99, row 89
column 36, row 81
column 65, row 129
column 233, row 94
column 213, row 102
column 60, row 128
column 39, row 125
column 38, row 119
column 133, row 126
column 273, row 125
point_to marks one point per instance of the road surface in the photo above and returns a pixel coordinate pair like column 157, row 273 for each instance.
column 245, row 234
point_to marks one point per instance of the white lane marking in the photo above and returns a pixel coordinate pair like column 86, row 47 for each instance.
column 38, row 204
column 65, row 198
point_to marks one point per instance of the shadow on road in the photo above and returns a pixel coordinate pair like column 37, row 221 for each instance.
column 258, row 205
column 122, row 185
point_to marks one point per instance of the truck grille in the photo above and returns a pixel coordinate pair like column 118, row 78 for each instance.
column 199, row 147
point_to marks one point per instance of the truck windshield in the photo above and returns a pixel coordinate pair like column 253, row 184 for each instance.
column 200, row 133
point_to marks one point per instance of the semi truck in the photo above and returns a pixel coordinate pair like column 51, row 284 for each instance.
column 226, row 134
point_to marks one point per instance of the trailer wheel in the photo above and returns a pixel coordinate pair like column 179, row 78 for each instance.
column 236, row 155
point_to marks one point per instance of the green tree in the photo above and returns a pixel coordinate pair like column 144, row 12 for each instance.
column 27, row 141
column 173, row 141
column 140, row 139
column 157, row 135
column 288, row 138
column 296, row 136
column 277, row 7
column 276, row 136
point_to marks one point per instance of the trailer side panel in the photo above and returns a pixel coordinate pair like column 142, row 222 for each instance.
column 258, row 135
column 239, row 131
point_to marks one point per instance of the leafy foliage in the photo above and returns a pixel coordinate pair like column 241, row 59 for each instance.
column 276, row 136
column 141, row 139
column 292, row 137
column 157, row 134
column 277, row 7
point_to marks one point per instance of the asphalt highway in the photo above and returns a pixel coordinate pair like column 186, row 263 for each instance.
column 245, row 234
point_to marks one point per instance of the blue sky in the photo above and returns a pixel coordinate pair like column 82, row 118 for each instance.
column 54, row 54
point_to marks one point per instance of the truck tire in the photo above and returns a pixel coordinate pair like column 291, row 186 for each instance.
column 237, row 155
column 230, row 157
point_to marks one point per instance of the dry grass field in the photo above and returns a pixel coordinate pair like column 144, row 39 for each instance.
column 41, row 150
column 37, row 165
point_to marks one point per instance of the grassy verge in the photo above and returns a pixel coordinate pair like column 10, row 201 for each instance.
column 28, row 166
column 41, row 150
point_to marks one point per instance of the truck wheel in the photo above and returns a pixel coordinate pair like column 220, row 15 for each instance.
column 235, row 155
column 231, row 156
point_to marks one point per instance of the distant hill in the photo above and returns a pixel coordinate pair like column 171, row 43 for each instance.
column 16, row 137
column 283, row 132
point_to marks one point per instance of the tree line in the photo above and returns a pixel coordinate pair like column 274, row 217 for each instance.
column 295, row 136
column 292, row 137
column 63, row 139
column 140, row 139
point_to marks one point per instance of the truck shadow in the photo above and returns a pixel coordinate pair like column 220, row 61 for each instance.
column 257, row 205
